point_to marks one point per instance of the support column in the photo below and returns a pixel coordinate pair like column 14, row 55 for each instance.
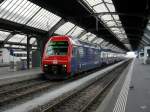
column 1, row 44
column 28, row 52
column 41, row 44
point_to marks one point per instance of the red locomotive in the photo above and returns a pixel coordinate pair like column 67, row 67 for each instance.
column 57, row 56
column 64, row 57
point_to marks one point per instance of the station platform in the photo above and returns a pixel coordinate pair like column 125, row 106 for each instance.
column 139, row 93
column 135, row 93
column 7, row 77
column 4, row 70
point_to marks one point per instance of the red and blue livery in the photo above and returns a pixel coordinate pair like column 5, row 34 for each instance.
column 64, row 57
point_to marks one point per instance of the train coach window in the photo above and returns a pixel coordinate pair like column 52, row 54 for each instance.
column 57, row 48
column 81, row 51
column 148, row 53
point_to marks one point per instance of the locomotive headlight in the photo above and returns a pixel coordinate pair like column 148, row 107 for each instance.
column 45, row 65
column 64, row 65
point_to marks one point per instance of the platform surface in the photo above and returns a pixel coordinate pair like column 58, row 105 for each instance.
column 16, row 76
column 6, row 72
column 139, row 96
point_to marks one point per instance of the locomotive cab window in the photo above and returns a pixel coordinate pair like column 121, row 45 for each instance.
column 57, row 48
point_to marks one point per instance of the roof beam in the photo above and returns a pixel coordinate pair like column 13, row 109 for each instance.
column 82, row 34
column 56, row 26
column 20, row 28
column 78, row 14
column 17, row 48
column 8, row 37
column 148, row 39
column 15, row 43
column 141, row 15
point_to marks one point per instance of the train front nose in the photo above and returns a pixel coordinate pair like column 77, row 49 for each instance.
column 56, row 68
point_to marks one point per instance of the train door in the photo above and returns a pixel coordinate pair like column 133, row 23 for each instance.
column 147, row 55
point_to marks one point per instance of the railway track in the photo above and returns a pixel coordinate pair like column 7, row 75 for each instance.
column 11, row 95
column 17, row 93
column 82, row 100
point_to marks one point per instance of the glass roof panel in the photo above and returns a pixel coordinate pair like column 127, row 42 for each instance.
column 95, row 41
column 100, row 40
column 104, row 44
column 6, row 45
column 21, row 47
column 15, row 46
column 128, row 45
column 19, row 11
column 116, row 17
column 117, row 33
column 111, row 23
column 145, row 40
column 3, row 35
column 32, row 40
column 111, row 7
column 108, row 1
column 24, row 40
column 17, row 38
column 34, row 47
column 104, row 9
column 44, row 20
column 107, row 17
column 148, row 27
column 146, row 35
column 65, row 29
column 100, row 8
column 76, row 31
column 25, row 12
column 85, row 36
column 93, row 2
column 115, row 29
column 90, row 38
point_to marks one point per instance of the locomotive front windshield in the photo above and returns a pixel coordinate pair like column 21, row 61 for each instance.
column 57, row 48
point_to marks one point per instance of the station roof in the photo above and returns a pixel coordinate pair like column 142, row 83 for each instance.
column 115, row 24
